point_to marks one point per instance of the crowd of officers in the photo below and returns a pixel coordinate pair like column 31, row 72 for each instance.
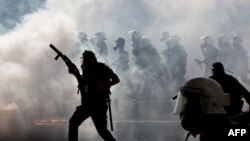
column 230, row 52
column 145, row 60
column 167, row 68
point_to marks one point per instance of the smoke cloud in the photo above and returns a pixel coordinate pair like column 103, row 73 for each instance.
column 33, row 86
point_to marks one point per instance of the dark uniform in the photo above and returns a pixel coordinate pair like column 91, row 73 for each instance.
column 122, row 64
column 176, row 61
column 209, row 52
column 136, row 49
column 97, row 78
column 231, row 86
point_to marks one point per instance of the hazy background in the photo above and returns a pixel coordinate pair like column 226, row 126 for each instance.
column 33, row 86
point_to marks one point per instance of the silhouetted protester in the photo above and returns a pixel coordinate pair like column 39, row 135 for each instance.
column 225, row 51
column 240, row 59
column 97, row 78
column 209, row 52
column 231, row 86
column 99, row 46
column 122, row 62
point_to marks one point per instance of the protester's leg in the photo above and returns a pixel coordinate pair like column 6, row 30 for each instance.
column 99, row 118
column 75, row 121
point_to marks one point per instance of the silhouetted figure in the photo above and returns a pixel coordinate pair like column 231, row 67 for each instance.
column 231, row 86
column 97, row 78
column 122, row 62
column 240, row 59
column 209, row 52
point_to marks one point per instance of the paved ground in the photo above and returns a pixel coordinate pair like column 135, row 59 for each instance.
column 133, row 121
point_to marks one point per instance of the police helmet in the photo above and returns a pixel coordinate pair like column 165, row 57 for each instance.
column 100, row 35
column 207, row 39
column 223, row 38
column 175, row 36
column 145, row 42
column 135, row 34
column 171, row 42
column 208, row 92
column 237, row 39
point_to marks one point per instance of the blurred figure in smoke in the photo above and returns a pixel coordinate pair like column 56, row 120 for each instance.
column 240, row 59
column 121, row 66
column 146, row 55
column 149, row 54
column 164, row 36
column 122, row 63
column 97, row 79
column 81, row 44
column 176, row 61
column 179, row 43
column 152, row 56
column 155, row 71
column 209, row 52
column 231, row 86
column 225, row 51
column 99, row 46
column 83, row 39
column 153, row 68
column 136, row 48
column 136, row 39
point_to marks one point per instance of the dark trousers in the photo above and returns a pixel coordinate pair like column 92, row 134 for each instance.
column 97, row 111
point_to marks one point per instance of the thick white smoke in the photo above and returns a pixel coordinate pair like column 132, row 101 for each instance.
column 35, row 86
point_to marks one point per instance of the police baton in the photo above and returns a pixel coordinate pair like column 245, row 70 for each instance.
column 110, row 114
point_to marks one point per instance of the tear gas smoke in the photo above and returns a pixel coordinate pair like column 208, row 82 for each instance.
column 33, row 86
